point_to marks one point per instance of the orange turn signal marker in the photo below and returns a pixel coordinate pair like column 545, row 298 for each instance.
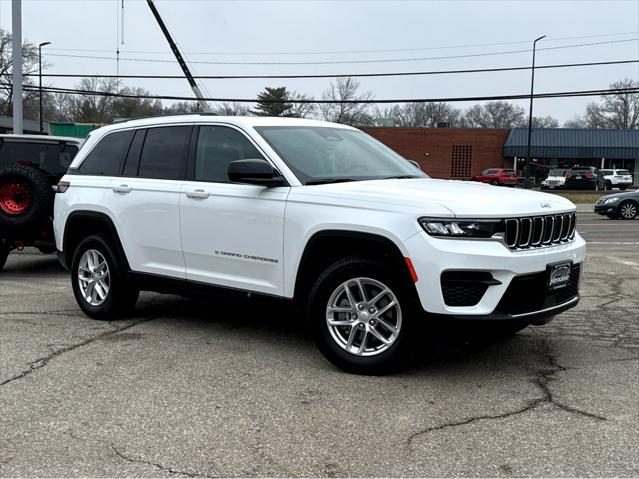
column 413, row 274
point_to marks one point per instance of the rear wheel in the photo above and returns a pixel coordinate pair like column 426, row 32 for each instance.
column 628, row 210
column 99, row 281
column 361, row 317
column 623, row 187
column 494, row 183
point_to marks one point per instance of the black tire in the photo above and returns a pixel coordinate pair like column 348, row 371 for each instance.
column 494, row 183
column 35, row 187
column 121, row 296
column 628, row 210
column 4, row 253
column 386, row 361
column 608, row 185
column 623, row 187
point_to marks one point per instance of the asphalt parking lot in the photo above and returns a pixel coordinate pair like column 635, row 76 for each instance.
column 219, row 388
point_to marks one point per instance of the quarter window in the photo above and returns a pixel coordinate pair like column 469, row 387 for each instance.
column 217, row 146
column 164, row 153
column 106, row 156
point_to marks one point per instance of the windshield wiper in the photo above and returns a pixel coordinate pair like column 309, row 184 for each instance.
column 322, row 181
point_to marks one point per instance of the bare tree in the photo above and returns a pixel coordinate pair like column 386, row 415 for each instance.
column 231, row 109
column 302, row 110
column 346, row 89
column 544, row 122
column 494, row 114
column 575, row 122
column 182, row 107
column 426, row 115
column 29, row 65
column 134, row 105
column 620, row 110
column 90, row 107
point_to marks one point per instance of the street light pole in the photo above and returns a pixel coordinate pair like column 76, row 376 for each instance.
column 532, row 89
column 43, row 44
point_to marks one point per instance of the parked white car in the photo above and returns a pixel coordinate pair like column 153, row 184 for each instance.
column 556, row 179
column 621, row 179
column 312, row 212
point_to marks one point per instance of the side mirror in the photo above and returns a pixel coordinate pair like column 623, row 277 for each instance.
column 255, row 172
column 415, row 164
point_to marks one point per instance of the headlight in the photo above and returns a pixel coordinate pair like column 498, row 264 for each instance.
column 460, row 228
column 611, row 199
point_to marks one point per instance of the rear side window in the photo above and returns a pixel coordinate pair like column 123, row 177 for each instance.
column 106, row 156
column 45, row 156
column 217, row 146
column 164, row 153
column 133, row 157
column 509, row 172
column 489, row 172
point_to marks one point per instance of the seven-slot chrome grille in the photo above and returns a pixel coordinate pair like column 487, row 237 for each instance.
column 538, row 231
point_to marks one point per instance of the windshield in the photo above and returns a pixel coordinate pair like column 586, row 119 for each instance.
column 324, row 154
column 557, row 173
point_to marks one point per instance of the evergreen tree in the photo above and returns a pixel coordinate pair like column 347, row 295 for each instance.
column 273, row 102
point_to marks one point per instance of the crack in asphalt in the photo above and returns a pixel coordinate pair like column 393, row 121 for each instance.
column 43, row 361
column 542, row 380
column 157, row 465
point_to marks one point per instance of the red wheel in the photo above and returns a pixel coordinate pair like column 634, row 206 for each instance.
column 15, row 198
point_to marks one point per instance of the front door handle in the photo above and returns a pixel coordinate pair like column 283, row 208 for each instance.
column 122, row 189
column 200, row 194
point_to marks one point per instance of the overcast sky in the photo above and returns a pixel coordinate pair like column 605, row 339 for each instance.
column 269, row 31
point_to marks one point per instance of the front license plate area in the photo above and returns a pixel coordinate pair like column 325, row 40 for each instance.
column 558, row 275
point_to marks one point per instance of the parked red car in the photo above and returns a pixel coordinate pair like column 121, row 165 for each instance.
column 497, row 176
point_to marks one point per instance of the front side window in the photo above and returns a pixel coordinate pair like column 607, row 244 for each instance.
column 52, row 158
column 217, row 146
column 106, row 156
column 325, row 154
column 164, row 153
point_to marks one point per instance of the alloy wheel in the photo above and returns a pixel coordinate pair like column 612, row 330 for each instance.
column 363, row 316
column 628, row 210
column 94, row 277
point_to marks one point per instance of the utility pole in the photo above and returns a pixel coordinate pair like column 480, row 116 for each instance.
column 16, row 26
column 178, row 57
column 532, row 89
column 40, row 80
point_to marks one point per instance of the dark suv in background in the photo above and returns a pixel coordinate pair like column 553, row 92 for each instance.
column 30, row 167
column 584, row 178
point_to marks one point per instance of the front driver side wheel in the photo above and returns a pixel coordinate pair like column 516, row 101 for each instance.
column 361, row 317
column 99, row 280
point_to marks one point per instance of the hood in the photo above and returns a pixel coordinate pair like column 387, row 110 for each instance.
column 625, row 194
column 462, row 198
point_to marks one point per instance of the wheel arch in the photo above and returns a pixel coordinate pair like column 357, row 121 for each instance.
column 328, row 246
column 82, row 223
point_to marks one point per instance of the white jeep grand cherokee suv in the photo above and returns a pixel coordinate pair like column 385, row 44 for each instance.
column 314, row 212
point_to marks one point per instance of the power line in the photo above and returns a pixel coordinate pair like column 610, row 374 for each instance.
column 340, row 75
column 564, row 94
column 345, row 52
column 341, row 62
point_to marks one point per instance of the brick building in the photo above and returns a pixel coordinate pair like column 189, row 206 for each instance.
column 447, row 152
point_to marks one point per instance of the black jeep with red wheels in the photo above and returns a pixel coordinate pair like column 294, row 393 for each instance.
column 30, row 166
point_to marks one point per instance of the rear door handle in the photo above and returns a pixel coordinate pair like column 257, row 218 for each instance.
column 200, row 194
column 122, row 189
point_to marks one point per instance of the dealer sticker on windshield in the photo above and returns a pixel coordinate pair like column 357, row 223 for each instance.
column 559, row 275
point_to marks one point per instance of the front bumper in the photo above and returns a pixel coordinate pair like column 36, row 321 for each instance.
column 607, row 208
column 432, row 256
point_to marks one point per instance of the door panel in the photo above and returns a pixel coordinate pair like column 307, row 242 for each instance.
column 232, row 234
column 147, row 216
